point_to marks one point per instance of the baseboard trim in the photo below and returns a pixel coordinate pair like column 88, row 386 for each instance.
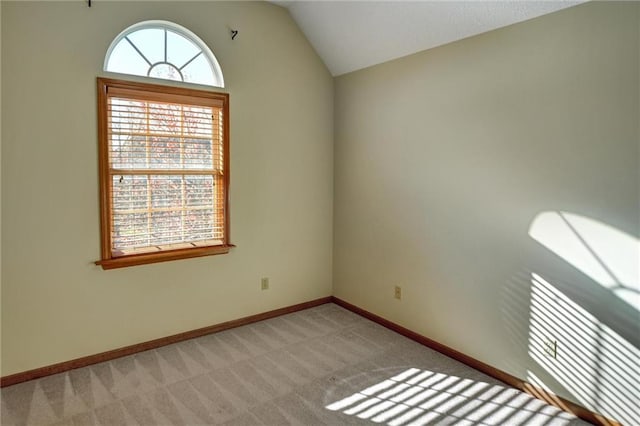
column 503, row 376
column 153, row 344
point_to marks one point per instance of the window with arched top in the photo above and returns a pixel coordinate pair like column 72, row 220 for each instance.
column 165, row 50
column 163, row 151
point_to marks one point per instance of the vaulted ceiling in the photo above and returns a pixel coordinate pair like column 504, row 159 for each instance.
column 351, row 35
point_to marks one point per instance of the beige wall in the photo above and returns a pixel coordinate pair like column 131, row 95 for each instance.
column 451, row 168
column 56, row 305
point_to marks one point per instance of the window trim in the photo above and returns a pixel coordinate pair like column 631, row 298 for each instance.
column 108, row 261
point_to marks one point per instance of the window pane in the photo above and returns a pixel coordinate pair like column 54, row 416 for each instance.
column 199, row 225
column 164, row 152
column 198, row 154
column 129, row 193
column 198, row 121
column 166, row 191
column 125, row 59
column 165, row 71
column 165, row 118
column 167, row 227
column 198, row 71
column 150, row 41
column 179, row 49
column 199, row 191
column 128, row 152
column 130, row 230
column 128, row 115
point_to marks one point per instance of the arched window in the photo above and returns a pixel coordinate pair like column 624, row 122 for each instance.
column 163, row 150
column 162, row 49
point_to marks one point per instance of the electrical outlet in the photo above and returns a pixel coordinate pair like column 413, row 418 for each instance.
column 264, row 283
column 551, row 347
column 397, row 292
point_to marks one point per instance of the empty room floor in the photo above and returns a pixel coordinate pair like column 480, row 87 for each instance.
column 323, row 365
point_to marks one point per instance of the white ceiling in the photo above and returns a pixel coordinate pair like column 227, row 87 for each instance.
column 350, row 35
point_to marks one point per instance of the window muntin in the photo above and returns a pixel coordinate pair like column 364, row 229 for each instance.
column 163, row 171
column 165, row 50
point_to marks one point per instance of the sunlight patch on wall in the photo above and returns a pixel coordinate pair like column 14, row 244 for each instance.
column 593, row 362
column 420, row 397
column 607, row 255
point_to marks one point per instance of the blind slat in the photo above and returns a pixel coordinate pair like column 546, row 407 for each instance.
column 144, row 172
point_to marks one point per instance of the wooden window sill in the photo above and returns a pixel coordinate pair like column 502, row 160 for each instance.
column 163, row 256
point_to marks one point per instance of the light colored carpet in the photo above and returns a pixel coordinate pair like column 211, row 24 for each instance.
column 324, row 365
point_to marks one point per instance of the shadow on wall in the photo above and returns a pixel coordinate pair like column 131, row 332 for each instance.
column 583, row 333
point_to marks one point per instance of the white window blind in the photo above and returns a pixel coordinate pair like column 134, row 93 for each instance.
column 166, row 172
